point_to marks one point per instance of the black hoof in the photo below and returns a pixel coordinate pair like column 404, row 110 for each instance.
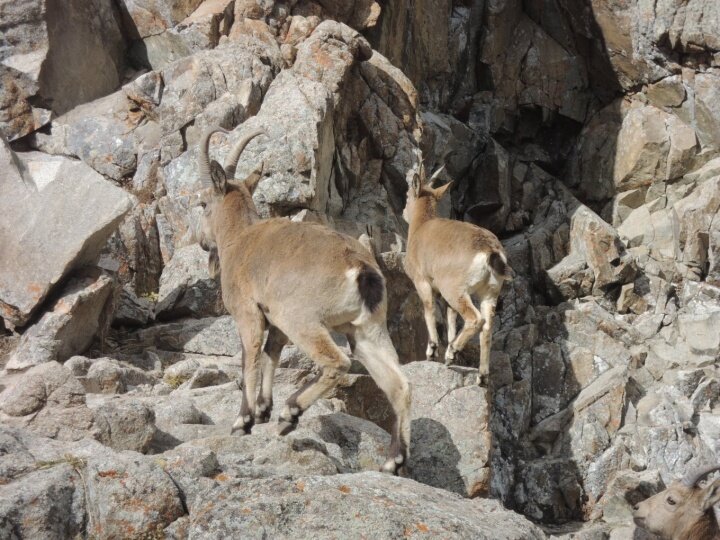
column 286, row 426
column 263, row 417
column 243, row 425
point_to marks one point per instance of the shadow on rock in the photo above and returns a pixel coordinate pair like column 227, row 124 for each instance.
column 434, row 457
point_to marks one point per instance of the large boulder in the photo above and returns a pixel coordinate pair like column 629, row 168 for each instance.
column 54, row 56
column 54, row 489
column 40, row 195
column 450, row 445
column 630, row 145
column 124, row 424
column 50, row 401
column 186, row 288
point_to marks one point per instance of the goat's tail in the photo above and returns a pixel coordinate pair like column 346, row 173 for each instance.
column 500, row 267
column 371, row 285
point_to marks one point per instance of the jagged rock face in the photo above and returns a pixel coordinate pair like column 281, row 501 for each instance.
column 584, row 133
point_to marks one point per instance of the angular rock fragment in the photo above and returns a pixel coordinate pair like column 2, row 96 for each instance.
column 41, row 196
column 69, row 325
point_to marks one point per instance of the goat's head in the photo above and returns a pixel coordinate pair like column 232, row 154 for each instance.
column 683, row 505
column 421, row 189
column 216, row 183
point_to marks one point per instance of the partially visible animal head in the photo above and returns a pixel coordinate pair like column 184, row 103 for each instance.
column 217, row 182
column 422, row 189
column 683, row 510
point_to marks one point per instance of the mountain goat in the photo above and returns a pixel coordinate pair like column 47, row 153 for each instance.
column 684, row 510
column 298, row 281
column 457, row 260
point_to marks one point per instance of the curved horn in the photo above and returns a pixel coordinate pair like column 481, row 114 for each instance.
column 435, row 175
column 232, row 158
column 203, row 158
column 694, row 477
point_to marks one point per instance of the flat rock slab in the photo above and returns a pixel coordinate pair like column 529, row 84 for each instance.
column 361, row 505
column 57, row 215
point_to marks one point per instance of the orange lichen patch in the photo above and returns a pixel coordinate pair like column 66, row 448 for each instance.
column 112, row 474
column 422, row 527
column 344, row 489
column 222, row 477
column 479, row 489
column 62, row 306
column 35, row 290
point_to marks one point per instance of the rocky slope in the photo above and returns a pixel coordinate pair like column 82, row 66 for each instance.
column 586, row 134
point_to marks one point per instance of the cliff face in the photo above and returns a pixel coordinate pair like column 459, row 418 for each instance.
column 584, row 133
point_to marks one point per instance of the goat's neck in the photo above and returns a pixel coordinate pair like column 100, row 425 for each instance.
column 424, row 210
column 235, row 215
column 705, row 528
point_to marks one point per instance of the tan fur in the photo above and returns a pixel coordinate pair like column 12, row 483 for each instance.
column 451, row 257
column 300, row 280
column 681, row 512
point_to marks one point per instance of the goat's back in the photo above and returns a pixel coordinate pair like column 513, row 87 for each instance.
column 444, row 246
column 304, row 267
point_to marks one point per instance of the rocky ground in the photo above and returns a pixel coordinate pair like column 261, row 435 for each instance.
column 585, row 133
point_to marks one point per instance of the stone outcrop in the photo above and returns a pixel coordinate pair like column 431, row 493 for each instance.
column 583, row 133
column 54, row 56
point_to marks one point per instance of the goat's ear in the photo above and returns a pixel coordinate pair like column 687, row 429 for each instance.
column 416, row 184
column 711, row 495
column 252, row 181
column 218, row 177
column 213, row 263
column 439, row 192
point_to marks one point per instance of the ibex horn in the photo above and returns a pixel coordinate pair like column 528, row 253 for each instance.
column 203, row 158
column 435, row 175
column 232, row 158
column 694, row 477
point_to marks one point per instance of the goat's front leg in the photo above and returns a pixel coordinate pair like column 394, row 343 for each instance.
column 317, row 343
column 425, row 292
column 251, row 324
column 274, row 344
column 487, row 308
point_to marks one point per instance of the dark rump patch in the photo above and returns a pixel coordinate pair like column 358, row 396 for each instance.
column 371, row 286
column 499, row 266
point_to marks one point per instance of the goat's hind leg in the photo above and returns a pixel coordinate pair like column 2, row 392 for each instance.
column 251, row 324
column 473, row 321
column 487, row 308
column 425, row 292
column 375, row 350
column 317, row 343
column 274, row 344
column 451, row 327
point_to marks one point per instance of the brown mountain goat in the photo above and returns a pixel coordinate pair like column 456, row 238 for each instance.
column 683, row 511
column 457, row 260
column 299, row 281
